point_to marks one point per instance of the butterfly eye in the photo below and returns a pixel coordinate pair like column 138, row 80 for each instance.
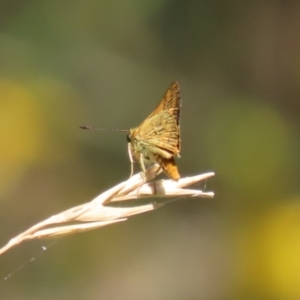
column 128, row 138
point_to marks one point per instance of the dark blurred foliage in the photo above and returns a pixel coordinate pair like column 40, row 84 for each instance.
column 108, row 63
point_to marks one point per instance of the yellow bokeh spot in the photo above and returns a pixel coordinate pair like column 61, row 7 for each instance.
column 21, row 130
column 269, row 263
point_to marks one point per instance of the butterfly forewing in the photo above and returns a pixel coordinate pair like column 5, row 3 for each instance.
column 170, row 102
column 157, row 139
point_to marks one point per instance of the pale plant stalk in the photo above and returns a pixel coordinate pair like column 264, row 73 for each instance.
column 101, row 212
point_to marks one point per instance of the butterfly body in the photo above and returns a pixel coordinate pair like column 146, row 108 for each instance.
column 157, row 139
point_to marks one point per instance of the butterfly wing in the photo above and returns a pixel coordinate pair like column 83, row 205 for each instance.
column 171, row 101
column 161, row 129
column 158, row 137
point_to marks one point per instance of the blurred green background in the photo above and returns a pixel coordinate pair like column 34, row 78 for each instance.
column 108, row 63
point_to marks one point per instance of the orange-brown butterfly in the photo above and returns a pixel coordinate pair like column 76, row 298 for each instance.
column 157, row 139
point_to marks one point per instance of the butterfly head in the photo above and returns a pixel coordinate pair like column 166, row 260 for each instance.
column 128, row 137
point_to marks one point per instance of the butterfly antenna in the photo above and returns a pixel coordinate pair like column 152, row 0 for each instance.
column 101, row 129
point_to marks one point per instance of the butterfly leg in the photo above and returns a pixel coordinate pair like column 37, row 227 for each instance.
column 142, row 164
column 154, row 183
column 131, row 160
